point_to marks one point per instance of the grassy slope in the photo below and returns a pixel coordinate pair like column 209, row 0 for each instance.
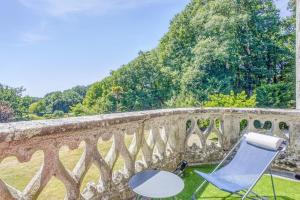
column 19, row 174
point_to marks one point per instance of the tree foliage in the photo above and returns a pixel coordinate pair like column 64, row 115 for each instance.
column 140, row 85
column 58, row 102
column 278, row 95
column 239, row 100
column 212, row 47
column 12, row 99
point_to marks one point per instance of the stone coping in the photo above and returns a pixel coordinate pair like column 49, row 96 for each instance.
column 26, row 129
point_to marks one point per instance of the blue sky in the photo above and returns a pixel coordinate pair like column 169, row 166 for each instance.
column 49, row 45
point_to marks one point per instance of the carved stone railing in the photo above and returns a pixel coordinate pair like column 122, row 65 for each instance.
column 162, row 137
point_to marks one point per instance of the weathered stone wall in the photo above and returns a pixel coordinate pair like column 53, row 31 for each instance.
column 163, row 137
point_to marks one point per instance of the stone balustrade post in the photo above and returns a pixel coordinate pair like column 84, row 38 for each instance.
column 231, row 130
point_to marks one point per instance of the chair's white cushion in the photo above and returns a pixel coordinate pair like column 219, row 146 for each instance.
column 264, row 141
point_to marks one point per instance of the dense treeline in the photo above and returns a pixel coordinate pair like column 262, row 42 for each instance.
column 212, row 47
column 14, row 106
column 216, row 53
column 56, row 104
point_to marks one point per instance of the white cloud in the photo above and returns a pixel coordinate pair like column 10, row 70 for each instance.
column 36, row 35
column 65, row 7
column 32, row 37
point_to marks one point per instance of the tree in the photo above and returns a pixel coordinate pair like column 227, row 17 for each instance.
column 183, row 100
column 144, row 83
column 140, row 85
column 38, row 108
column 280, row 95
column 6, row 112
column 212, row 47
column 237, row 46
column 13, row 98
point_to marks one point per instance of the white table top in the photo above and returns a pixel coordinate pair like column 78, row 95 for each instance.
column 156, row 184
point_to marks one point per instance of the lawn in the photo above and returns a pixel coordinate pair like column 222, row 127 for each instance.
column 286, row 190
column 19, row 174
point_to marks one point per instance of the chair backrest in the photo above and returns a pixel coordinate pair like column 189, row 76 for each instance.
column 247, row 165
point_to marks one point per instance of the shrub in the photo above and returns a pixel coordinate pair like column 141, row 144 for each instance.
column 80, row 109
column 240, row 100
column 183, row 100
column 58, row 114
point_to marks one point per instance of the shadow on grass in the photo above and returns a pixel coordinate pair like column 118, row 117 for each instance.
column 231, row 197
column 200, row 196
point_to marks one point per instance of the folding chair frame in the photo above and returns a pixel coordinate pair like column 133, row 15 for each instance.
column 247, row 192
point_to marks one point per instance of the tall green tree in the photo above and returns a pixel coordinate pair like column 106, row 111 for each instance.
column 140, row 85
column 12, row 98
column 211, row 47
column 237, row 47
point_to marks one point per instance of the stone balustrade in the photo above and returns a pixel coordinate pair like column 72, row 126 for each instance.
column 160, row 138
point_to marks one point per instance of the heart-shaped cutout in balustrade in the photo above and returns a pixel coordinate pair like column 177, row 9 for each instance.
column 148, row 136
column 92, row 176
column 285, row 129
column 262, row 125
column 118, row 165
column 204, row 124
column 70, row 157
column 164, row 134
column 194, row 140
column 160, row 140
column 54, row 190
column 214, row 136
column 19, row 174
column 218, row 123
column 188, row 126
column 104, row 146
column 110, row 149
column 144, row 155
column 244, row 124
column 131, row 140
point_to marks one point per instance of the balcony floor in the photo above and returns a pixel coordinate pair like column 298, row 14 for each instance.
column 286, row 189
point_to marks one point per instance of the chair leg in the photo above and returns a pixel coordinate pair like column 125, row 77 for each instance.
column 245, row 196
column 198, row 189
column 273, row 186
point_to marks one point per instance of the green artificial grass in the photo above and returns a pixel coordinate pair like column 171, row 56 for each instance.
column 285, row 189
